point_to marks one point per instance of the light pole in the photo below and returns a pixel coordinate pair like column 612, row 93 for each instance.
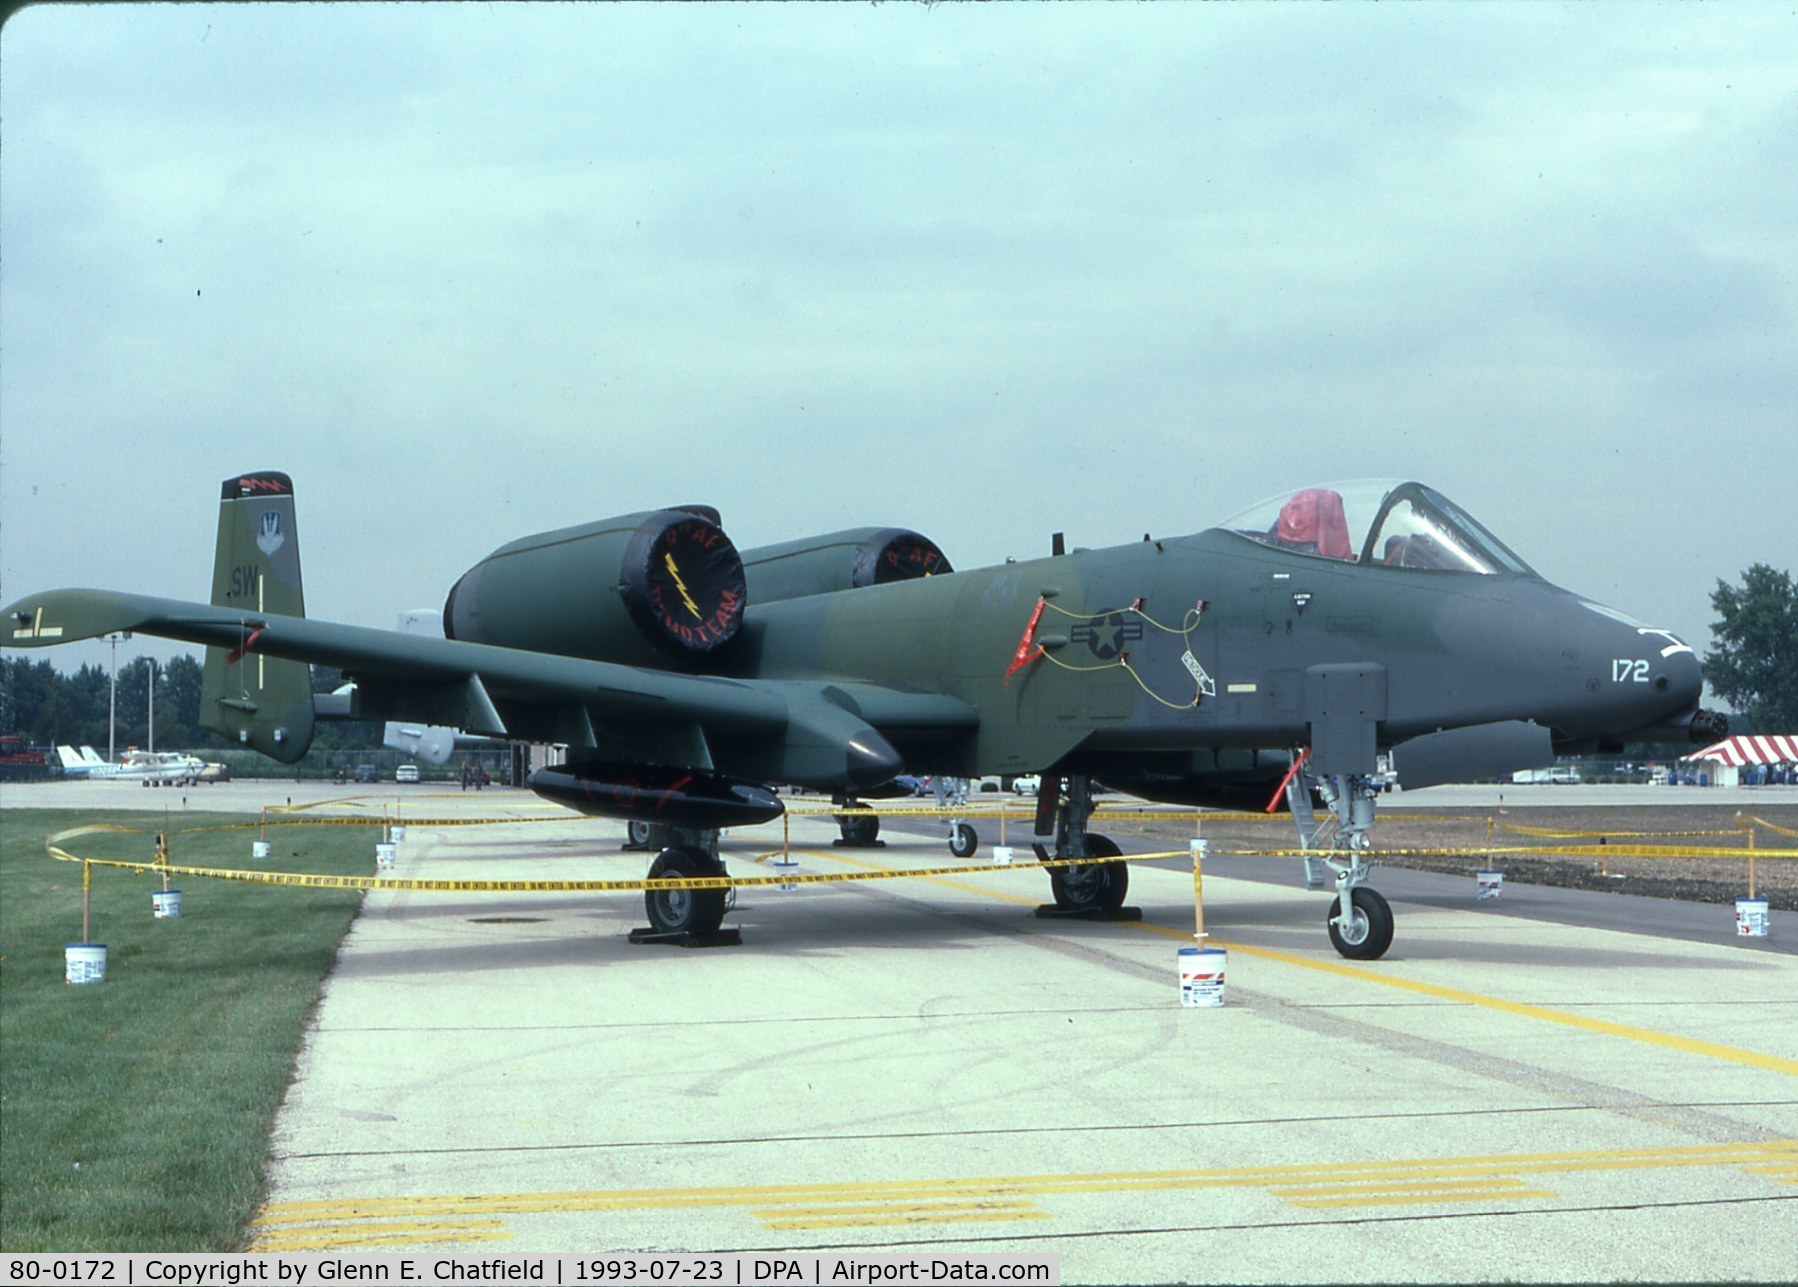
column 112, row 699
column 150, row 689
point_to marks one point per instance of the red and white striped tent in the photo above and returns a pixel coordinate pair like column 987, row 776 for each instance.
column 1773, row 748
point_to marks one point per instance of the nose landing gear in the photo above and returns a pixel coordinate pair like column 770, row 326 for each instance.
column 1360, row 920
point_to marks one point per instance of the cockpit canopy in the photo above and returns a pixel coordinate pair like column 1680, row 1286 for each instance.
column 1379, row 522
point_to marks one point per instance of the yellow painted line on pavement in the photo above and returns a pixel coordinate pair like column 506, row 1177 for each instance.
column 1415, row 1199
column 1365, row 1193
column 400, row 1233
column 944, row 881
column 334, row 1224
column 866, row 1216
column 1522, row 1009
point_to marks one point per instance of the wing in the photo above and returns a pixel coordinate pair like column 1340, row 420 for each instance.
column 809, row 733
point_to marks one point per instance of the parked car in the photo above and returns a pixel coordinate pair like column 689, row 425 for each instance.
column 406, row 773
column 1028, row 784
column 366, row 773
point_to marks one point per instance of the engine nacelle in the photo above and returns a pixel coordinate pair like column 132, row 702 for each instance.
column 841, row 561
column 654, row 588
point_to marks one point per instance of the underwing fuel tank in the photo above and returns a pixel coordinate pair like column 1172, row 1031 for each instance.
column 657, row 793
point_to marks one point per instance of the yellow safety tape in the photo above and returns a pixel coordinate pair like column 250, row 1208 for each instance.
column 308, row 881
column 1557, row 833
column 977, row 807
column 969, row 810
column 1660, row 851
column 1762, row 822
column 1525, row 851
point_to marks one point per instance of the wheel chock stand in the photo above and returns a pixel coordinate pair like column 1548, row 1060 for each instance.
column 681, row 938
column 1053, row 912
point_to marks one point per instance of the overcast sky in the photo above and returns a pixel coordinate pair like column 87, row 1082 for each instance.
column 989, row 271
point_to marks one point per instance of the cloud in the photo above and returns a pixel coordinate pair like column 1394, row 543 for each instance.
column 471, row 271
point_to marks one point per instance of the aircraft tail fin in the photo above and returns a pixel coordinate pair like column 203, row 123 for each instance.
column 261, row 702
column 90, row 756
column 67, row 755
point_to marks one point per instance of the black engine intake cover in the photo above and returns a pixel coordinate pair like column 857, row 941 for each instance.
column 643, row 589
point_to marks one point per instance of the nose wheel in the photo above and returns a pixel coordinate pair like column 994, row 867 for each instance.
column 1366, row 931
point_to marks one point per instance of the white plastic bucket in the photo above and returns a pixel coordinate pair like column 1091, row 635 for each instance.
column 1202, row 975
column 1490, row 884
column 384, row 855
column 1752, row 918
column 259, row 850
column 166, row 904
column 84, row 963
column 786, row 865
column 399, row 834
column 1001, row 855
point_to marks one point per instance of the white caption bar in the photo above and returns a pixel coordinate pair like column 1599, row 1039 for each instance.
column 672, row 1270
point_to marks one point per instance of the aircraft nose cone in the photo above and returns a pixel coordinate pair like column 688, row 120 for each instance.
column 1680, row 677
column 1655, row 679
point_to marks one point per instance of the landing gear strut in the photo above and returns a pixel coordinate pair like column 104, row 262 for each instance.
column 1090, row 889
column 1360, row 920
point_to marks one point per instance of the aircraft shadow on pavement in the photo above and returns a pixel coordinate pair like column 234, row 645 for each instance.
column 598, row 935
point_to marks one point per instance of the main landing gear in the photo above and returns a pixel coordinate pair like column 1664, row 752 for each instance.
column 1089, row 889
column 688, row 916
column 859, row 830
column 1360, row 919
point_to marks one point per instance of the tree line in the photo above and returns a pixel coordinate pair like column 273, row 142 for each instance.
column 48, row 708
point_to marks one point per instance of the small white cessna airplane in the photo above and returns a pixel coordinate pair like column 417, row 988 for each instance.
column 152, row 768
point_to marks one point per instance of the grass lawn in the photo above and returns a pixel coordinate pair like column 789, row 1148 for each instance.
column 135, row 1113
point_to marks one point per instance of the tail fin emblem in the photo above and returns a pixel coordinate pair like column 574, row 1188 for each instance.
column 270, row 538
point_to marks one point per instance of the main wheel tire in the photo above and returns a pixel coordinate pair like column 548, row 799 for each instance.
column 1370, row 933
column 637, row 834
column 1100, row 885
column 684, row 911
column 963, row 840
column 859, row 828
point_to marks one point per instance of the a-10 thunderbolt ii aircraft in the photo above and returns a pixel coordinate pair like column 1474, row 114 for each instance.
column 1289, row 647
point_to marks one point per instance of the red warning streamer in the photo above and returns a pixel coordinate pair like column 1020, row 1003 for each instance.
column 1028, row 650
column 237, row 654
